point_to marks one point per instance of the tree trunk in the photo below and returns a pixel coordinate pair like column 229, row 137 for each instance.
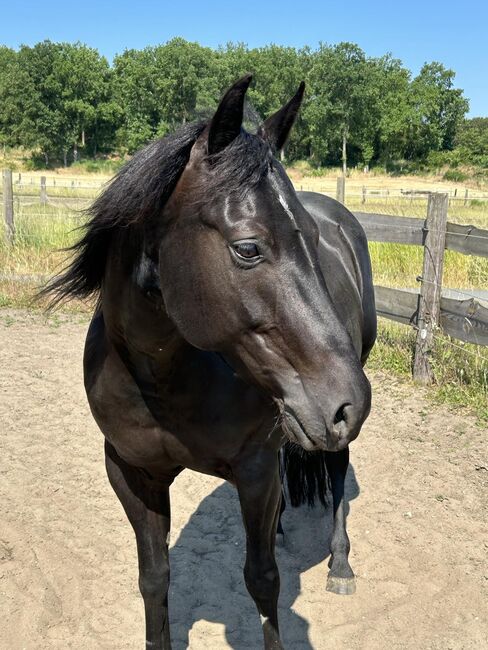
column 282, row 155
column 83, row 138
column 344, row 152
column 75, row 152
column 46, row 158
column 65, row 158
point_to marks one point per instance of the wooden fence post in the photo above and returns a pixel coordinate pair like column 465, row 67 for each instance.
column 430, row 288
column 8, row 206
column 341, row 189
column 466, row 194
column 363, row 195
column 43, row 190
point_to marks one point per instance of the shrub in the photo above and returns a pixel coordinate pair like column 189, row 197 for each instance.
column 455, row 175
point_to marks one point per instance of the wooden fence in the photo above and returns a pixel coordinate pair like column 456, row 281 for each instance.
column 427, row 309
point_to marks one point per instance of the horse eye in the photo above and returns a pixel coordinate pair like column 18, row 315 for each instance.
column 247, row 250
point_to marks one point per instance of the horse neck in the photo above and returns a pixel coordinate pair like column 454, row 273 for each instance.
column 132, row 305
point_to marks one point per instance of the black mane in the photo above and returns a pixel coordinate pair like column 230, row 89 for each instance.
column 139, row 192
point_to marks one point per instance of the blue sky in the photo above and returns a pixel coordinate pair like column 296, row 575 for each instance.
column 454, row 33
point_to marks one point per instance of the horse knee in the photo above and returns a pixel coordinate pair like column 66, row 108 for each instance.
column 154, row 582
column 261, row 581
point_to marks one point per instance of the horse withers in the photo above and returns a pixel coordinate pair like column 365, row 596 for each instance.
column 233, row 316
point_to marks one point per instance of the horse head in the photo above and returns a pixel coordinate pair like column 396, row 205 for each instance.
column 240, row 275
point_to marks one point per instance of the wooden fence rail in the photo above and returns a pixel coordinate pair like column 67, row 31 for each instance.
column 427, row 310
column 409, row 230
column 466, row 320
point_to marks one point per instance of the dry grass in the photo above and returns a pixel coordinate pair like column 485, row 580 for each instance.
column 303, row 175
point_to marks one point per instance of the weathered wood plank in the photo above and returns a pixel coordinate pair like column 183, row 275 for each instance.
column 430, row 288
column 43, row 191
column 8, row 205
column 409, row 230
column 466, row 320
column 396, row 304
column 341, row 189
column 467, row 239
column 391, row 229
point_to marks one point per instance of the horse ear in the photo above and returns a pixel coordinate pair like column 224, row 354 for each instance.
column 277, row 127
column 226, row 123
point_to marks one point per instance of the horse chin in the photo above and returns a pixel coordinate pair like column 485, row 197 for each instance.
column 298, row 434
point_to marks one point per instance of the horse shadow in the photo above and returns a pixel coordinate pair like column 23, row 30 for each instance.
column 207, row 561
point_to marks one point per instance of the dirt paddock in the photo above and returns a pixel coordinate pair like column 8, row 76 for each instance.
column 68, row 570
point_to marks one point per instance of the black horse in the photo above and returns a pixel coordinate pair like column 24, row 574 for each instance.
column 233, row 315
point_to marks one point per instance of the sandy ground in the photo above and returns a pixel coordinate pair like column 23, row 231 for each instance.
column 68, row 569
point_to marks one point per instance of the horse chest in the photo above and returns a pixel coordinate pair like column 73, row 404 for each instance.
column 198, row 415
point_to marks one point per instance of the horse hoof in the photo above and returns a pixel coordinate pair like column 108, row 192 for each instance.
column 341, row 586
column 280, row 540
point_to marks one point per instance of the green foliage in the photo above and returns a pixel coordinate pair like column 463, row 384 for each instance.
column 472, row 141
column 440, row 109
column 63, row 101
column 55, row 97
column 455, row 175
column 105, row 166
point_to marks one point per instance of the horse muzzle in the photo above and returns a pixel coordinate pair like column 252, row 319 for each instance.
column 324, row 426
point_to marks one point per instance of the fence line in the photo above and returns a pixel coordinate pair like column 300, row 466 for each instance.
column 428, row 310
column 469, row 240
column 22, row 180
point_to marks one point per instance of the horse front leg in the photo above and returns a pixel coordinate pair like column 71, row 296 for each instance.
column 280, row 533
column 148, row 510
column 341, row 577
column 259, row 487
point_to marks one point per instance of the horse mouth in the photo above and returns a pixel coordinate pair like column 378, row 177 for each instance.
column 296, row 432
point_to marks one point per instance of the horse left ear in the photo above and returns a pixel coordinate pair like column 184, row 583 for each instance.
column 227, row 121
column 277, row 127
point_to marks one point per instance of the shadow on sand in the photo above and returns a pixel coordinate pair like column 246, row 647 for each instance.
column 206, row 570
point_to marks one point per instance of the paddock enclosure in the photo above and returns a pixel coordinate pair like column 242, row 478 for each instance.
column 417, row 493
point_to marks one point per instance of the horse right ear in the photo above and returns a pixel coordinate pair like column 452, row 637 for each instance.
column 226, row 124
column 276, row 129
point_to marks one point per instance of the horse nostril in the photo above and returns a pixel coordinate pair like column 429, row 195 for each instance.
column 341, row 415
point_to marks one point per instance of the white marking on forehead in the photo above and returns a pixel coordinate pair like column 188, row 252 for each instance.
column 276, row 186
column 286, row 207
column 282, row 200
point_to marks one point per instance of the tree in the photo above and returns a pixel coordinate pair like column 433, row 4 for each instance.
column 343, row 108
column 472, row 140
column 395, row 108
column 439, row 109
column 161, row 87
column 90, row 113
column 56, row 98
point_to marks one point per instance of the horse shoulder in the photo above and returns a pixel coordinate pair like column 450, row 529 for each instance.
column 345, row 263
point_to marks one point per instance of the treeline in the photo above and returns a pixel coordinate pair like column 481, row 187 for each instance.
column 63, row 100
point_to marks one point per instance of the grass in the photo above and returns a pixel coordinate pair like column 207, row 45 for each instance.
column 461, row 374
column 86, row 194
column 460, row 369
column 398, row 265
column 41, row 232
column 102, row 166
